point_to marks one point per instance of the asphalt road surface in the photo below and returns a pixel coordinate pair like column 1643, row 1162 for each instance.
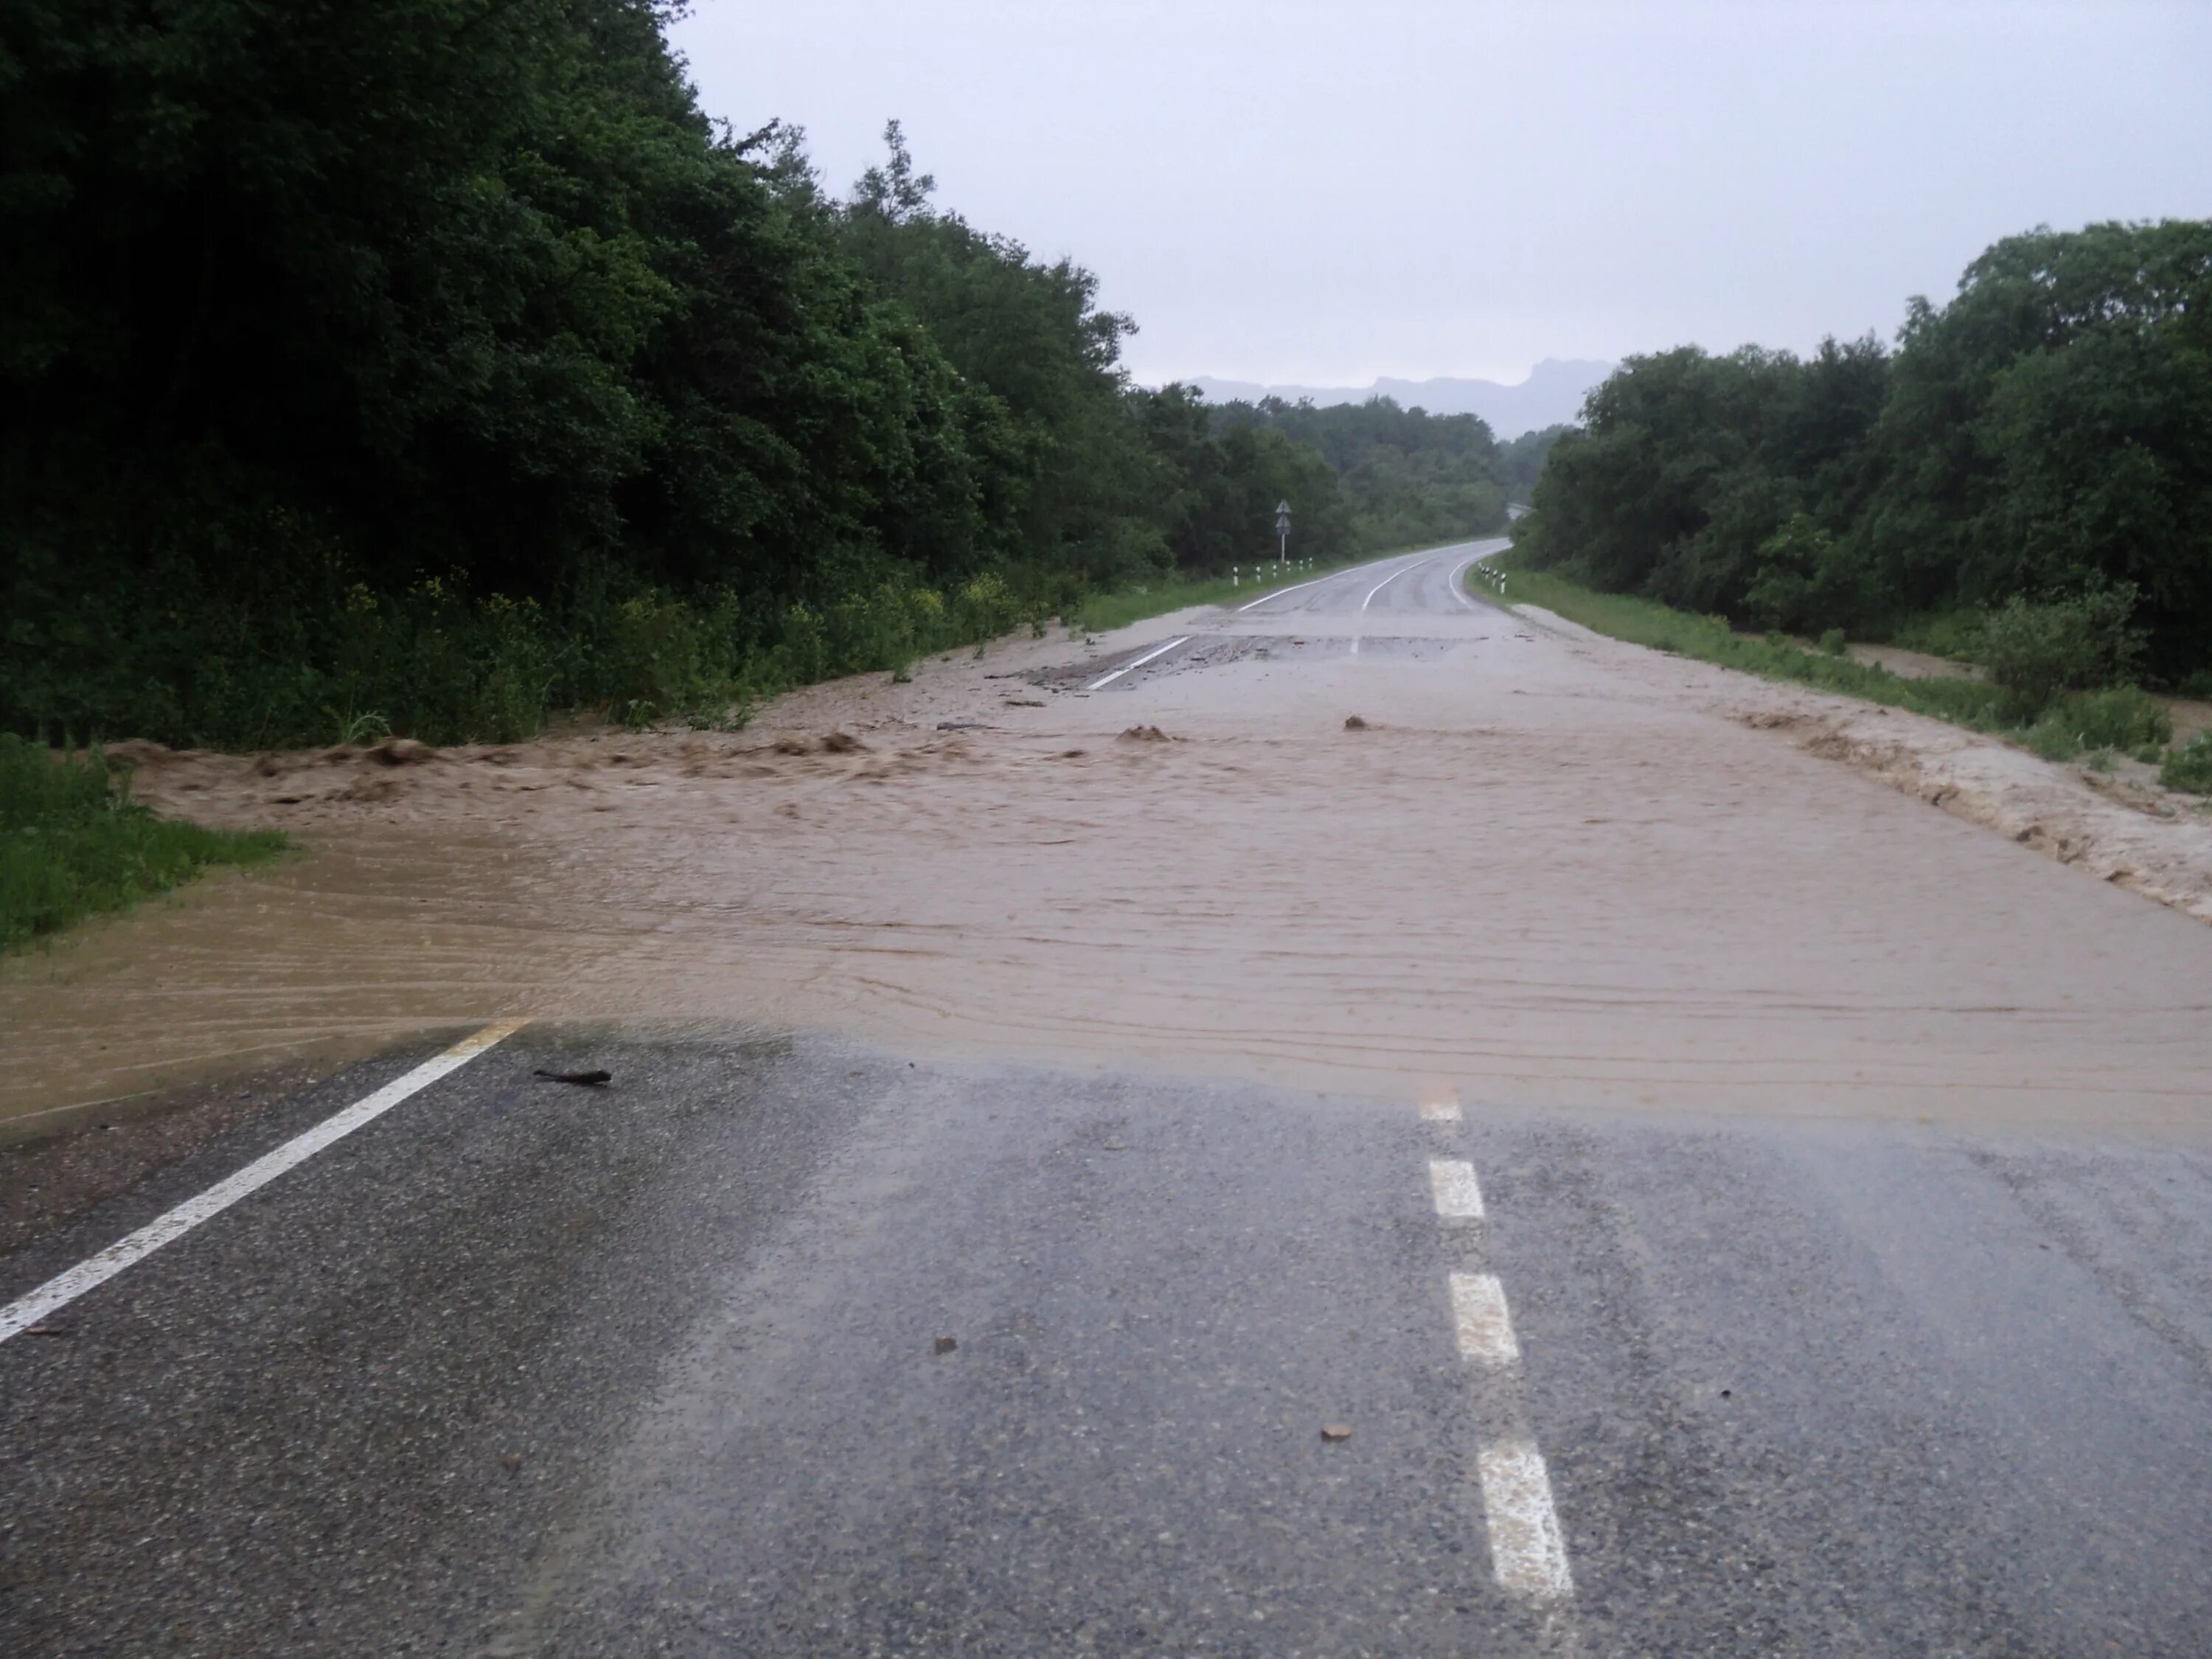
column 775, row 1345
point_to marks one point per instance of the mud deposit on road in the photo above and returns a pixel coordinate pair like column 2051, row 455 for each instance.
column 1551, row 870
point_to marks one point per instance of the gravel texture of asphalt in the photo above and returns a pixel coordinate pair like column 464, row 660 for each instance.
column 777, row 1345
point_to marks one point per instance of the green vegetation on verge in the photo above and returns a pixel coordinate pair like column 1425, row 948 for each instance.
column 2190, row 767
column 72, row 841
column 2065, row 724
column 2035, row 449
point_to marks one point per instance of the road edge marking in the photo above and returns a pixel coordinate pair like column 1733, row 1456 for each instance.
column 1160, row 650
column 64, row 1288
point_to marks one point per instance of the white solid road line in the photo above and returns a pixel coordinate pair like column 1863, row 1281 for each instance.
column 1157, row 651
column 1459, row 1198
column 1527, row 1550
column 1386, row 582
column 1378, row 588
column 1458, row 587
column 1293, row 588
column 64, row 1288
column 1485, row 1328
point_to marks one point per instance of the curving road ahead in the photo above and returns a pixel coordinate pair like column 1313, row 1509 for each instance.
column 1427, row 583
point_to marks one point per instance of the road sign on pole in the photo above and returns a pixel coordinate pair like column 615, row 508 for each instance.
column 1282, row 531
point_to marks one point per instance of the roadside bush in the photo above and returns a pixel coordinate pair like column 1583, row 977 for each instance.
column 1955, row 634
column 2036, row 651
column 660, row 658
column 2190, row 767
column 2123, row 718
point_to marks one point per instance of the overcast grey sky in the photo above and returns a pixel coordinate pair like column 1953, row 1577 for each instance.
column 1325, row 193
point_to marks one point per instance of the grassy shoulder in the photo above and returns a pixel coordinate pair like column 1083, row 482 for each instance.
column 2122, row 720
column 73, row 843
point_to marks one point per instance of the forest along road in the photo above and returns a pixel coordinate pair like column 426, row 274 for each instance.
column 1551, row 1171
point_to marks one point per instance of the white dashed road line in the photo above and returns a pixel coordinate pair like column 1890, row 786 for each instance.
column 1527, row 1549
column 1441, row 1106
column 1458, row 1194
column 1485, row 1328
column 1157, row 651
column 64, row 1288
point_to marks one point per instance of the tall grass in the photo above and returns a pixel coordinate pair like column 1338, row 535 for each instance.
column 72, row 841
column 440, row 663
column 2065, row 725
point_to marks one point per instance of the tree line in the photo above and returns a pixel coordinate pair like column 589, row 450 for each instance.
column 431, row 364
column 1410, row 476
column 2026, row 473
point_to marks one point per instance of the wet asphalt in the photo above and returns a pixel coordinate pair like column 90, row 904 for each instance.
column 778, row 1346
column 522, row 1368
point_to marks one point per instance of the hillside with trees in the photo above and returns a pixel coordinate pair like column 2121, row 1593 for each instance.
column 2026, row 473
column 431, row 366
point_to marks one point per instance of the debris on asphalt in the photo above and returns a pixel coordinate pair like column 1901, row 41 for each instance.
column 1353, row 723
column 1336, row 1430
column 46, row 1330
column 512, row 1461
column 592, row 1080
column 947, row 1344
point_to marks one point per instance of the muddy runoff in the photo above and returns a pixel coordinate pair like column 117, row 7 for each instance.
column 1539, row 870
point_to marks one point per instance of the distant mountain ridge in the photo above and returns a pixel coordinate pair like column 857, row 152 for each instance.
column 1550, row 395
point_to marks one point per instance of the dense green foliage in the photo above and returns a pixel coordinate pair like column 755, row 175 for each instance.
column 73, row 842
column 2044, row 439
column 431, row 363
column 1413, row 477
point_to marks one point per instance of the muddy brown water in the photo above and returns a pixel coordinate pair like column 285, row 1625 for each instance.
column 1549, row 871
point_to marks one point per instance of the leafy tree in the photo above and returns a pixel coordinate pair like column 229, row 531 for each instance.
column 439, row 361
column 1520, row 461
column 2039, row 438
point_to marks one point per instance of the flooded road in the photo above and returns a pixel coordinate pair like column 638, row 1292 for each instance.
column 1552, row 870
